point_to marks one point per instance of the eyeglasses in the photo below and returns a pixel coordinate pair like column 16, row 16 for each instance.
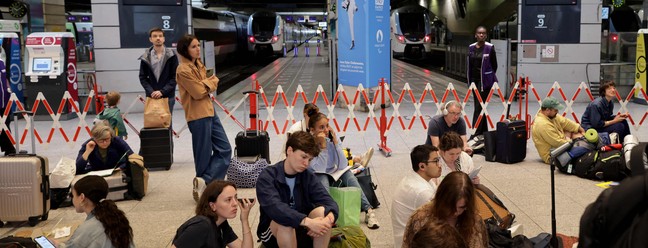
column 102, row 140
column 454, row 114
column 436, row 161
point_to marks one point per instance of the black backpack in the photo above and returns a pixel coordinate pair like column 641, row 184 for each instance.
column 619, row 217
column 599, row 165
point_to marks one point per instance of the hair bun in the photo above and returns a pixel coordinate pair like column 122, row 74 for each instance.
column 311, row 112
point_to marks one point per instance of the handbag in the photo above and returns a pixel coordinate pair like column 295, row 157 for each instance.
column 156, row 113
column 137, row 177
column 244, row 174
column 368, row 187
column 348, row 201
column 349, row 237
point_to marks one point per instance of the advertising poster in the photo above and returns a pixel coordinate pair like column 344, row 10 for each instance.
column 363, row 42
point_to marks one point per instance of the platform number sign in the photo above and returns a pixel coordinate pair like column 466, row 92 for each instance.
column 541, row 21
column 166, row 22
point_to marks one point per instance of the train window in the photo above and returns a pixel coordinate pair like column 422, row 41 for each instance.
column 262, row 24
column 412, row 23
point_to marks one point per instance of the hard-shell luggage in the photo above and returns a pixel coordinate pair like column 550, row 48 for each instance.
column 511, row 141
column 156, row 147
column 117, row 185
column 24, row 182
column 253, row 143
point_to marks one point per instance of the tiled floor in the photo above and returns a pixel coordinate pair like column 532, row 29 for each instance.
column 523, row 187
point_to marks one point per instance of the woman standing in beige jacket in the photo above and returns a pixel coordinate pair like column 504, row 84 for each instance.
column 211, row 149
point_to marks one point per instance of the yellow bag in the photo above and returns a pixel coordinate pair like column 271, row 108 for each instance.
column 156, row 113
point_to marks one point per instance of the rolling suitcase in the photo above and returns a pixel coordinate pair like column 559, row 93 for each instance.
column 511, row 141
column 490, row 145
column 24, row 183
column 250, row 143
column 117, row 185
column 156, row 147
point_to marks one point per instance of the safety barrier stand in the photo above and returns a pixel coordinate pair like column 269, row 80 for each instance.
column 318, row 48
column 307, row 49
column 383, row 121
column 284, row 49
column 295, row 48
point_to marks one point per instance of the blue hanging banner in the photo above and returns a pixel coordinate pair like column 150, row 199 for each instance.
column 15, row 70
column 363, row 42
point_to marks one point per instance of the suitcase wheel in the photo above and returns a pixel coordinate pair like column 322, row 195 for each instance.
column 1, row 223
column 33, row 221
column 45, row 216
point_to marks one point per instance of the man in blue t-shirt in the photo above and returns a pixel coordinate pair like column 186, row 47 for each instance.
column 450, row 120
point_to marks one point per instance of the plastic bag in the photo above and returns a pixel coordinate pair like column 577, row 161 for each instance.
column 63, row 173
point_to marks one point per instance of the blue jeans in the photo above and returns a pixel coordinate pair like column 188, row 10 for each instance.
column 211, row 149
column 621, row 128
column 346, row 180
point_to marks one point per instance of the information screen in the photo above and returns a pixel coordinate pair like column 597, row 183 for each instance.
column 42, row 64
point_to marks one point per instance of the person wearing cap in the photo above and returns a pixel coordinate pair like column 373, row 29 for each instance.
column 600, row 116
column 551, row 130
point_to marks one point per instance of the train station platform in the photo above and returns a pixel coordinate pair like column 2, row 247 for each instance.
column 523, row 187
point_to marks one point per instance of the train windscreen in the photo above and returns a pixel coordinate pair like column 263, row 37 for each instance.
column 412, row 24
column 263, row 26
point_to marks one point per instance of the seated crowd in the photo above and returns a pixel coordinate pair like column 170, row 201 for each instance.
column 432, row 206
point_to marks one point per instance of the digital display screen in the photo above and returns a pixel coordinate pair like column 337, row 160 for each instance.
column 605, row 13
column 42, row 64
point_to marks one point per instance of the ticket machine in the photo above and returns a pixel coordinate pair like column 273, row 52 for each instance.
column 10, row 56
column 50, row 68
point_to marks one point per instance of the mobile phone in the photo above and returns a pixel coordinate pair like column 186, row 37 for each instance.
column 251, row 200
column 43, row 242
column 210, row 72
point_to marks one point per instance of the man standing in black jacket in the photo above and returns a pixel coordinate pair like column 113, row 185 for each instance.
column 158, row 69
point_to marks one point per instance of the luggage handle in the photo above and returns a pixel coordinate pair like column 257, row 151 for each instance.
column 245, row 115
column 31, row 129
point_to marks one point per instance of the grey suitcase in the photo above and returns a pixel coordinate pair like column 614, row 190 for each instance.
column 117, row 185
column 24, row 183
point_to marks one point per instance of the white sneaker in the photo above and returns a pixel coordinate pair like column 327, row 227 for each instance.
column 370, row 219
column 366, row 157
column 198, row 187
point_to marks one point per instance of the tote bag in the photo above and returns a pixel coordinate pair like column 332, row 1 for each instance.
column 348, row 201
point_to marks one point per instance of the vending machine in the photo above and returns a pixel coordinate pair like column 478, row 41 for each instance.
column 50, row 66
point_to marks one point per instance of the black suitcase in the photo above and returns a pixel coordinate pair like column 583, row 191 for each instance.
column 490, row 145
column 156, row 147
column 511, row 141
column 252, row 143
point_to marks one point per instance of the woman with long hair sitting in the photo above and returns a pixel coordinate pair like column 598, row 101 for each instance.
column 453, row 204
column 106, row 225
column 209, row 228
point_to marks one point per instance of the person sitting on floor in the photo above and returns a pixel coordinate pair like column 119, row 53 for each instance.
column 331, row 160
column 103, row 151
column 599, row 113
column 296, row 210
column 310, row 109
column 438, row 234
column 453, row 158
column 105, row 225
column 552, row 130
column 415, row 189
column 209, row 228
column 454, row 204
column 450, row 120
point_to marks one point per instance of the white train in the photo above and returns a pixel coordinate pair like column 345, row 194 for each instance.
column 411, row 32
column 267, row 33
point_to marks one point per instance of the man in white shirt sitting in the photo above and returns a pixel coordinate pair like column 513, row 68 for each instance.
column 415, row 189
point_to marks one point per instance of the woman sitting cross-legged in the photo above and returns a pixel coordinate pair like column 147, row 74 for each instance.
column 332, row 159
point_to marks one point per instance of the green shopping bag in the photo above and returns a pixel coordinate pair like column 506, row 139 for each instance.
column 348, row 201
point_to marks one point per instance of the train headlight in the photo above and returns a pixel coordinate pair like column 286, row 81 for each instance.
column 251, row 39
column 400, row 38
column 275, row 39
column 426, row 39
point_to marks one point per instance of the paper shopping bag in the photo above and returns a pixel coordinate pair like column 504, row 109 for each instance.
column 348, row 200
column 156, row 113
